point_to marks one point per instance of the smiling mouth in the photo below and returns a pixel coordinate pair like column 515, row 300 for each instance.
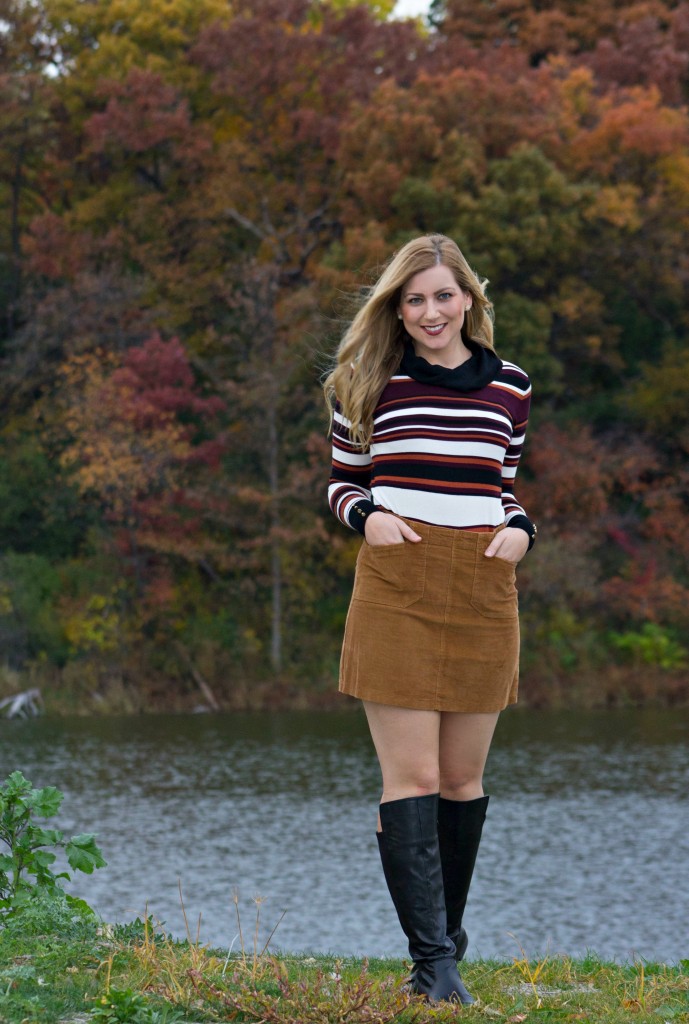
column 435, row 330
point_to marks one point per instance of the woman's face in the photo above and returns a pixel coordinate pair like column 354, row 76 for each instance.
column 433, row 307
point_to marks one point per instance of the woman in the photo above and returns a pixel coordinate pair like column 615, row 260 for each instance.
column 428, row 428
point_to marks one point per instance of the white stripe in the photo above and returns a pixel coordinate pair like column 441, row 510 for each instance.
column 512, row 388
column 339, row 418
column 347, row 490
column 350, row 458
column 441, row 414
column 441, row 509
column 513, row 366
column 431, row 446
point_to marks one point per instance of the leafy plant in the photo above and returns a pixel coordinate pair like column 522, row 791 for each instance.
column 26, row 863
column 321, row 999
column 52, row 912
column 123, row 1006
column 138, row 931
column 651, row 645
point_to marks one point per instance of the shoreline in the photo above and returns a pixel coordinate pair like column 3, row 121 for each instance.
column 129, row 973
column 590, row 693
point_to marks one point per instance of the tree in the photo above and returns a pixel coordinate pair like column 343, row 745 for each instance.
column 26, row 139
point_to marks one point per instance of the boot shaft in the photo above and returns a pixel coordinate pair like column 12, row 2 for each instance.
column 410, row 855
column 460, row 826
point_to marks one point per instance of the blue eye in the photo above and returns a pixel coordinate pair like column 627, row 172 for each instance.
column 444, row 296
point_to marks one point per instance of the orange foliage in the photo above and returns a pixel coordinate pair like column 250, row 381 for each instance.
column 127, row 440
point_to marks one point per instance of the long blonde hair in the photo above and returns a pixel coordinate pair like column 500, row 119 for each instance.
column 371, row 350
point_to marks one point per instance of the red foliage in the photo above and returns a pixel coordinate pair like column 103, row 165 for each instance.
column 642, row 54
column 291, row 80
column 53, row 249
column 142, row 113
column 156, row 381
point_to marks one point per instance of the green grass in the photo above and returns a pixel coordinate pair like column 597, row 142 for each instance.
column 46, row 979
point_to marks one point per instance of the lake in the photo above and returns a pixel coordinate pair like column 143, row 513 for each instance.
column 586, row 845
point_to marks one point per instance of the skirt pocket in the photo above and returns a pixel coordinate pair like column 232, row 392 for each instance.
column 494, row 590
column 393, row 575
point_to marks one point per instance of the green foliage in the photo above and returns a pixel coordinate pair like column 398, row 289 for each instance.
column 279, row 999
column 526, row 224
column 49, row 911
column 26, row 865
column 660, row 397
column 29, row 588
column 651, row 645
column 122, row 1006
column 51, row 981
column 524, row 326
column 39, row 509
column 420, row 203
column 137, row 931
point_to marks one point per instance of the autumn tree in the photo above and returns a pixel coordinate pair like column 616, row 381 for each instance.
column 139, row 439
column 26, row 139
column 273, row 187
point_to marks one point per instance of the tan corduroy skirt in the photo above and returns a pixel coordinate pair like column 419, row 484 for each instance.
column 433, row 625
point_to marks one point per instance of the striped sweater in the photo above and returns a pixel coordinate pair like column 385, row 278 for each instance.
column 437, row 455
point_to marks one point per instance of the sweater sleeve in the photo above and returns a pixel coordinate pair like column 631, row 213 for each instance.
column 521, row 390
column 349, row 493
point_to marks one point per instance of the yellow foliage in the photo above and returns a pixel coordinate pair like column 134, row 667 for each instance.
column 105, row 40
column 96, row 626
column 577, row 301
column 108, row 454
column 617, row 204
column 381, row 9
column 6, row 606
column 675, row 171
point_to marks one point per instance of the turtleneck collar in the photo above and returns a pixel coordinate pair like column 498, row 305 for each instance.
column 479, row 370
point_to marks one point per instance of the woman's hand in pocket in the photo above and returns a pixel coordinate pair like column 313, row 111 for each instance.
column 382, row 528
column 511, row 544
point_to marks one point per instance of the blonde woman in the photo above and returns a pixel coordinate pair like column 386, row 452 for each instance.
column 428, row 429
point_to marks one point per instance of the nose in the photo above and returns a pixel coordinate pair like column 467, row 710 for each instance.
column 431, row 311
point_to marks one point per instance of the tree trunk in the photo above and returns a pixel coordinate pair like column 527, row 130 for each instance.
column 275, row 554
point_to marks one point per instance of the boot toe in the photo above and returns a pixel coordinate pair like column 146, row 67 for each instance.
column 439, row 981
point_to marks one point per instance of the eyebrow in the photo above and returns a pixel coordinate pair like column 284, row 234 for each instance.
column 438, row 291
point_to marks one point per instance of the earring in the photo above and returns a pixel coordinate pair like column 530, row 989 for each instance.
column 399, row 316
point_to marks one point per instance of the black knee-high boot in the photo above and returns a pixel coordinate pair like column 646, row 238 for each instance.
column 460, row 823
column 410, row 856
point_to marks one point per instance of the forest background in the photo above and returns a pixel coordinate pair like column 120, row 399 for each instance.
column 193, row 192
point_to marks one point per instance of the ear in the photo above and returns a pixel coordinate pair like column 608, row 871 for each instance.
column 469, row 302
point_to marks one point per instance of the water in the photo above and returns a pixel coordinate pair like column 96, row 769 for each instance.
column 586, row 845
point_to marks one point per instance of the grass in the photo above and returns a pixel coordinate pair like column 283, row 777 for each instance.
column 134, row 974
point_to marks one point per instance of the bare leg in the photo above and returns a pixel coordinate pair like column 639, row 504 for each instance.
column 407, row 744
column 463, row 749
column 464, row 744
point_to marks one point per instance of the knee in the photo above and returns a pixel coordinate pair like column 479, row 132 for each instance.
column 461, row 785
column 422, row 782
column 426, row 785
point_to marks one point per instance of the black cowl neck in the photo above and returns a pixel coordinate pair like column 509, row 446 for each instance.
column 479, row 370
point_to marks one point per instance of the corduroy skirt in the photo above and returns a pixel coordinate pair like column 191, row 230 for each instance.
column 433, row 625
